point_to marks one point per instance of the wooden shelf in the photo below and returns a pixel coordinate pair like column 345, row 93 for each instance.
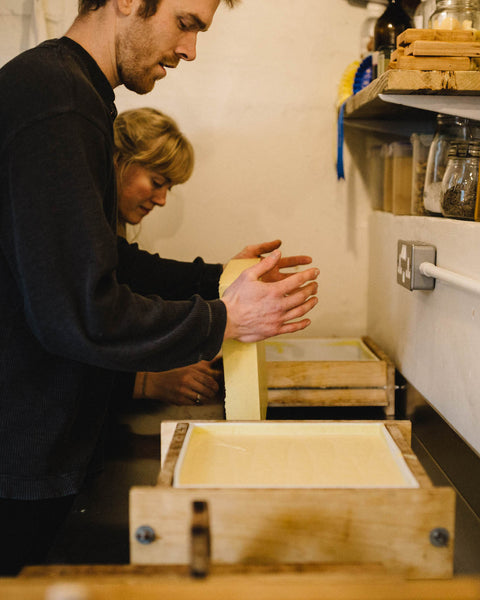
column 416, row 95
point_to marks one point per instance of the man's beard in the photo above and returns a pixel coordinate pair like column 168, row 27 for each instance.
column 134, row 68
column 136, row 81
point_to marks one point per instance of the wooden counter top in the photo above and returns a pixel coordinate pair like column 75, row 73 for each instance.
column 139, row 583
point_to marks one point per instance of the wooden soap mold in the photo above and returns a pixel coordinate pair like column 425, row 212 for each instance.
column 334, row 383
column 408, row 531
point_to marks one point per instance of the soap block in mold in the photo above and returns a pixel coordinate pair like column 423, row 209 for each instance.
column 243, row 363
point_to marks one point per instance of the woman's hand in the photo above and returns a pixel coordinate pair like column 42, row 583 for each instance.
column 258, row 250
column 201, row 383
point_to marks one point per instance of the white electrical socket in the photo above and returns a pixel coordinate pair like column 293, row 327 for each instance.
column 410, row 255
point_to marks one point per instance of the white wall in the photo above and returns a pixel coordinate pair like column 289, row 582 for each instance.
column 25, row 23
column 432, row 336
column 259, row 106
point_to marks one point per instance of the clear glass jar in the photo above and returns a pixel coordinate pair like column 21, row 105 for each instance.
column 474, row 130
column 460, row 181
column 422, row 13
column 456, row 14
column 421, row 144
column 419, row 16
column 449, row 128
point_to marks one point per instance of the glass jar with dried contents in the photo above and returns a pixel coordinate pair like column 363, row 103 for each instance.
column 456, row 14
column 460, row 181
column 449, row 128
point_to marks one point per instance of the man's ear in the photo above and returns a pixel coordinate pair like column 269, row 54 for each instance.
column 125, row 7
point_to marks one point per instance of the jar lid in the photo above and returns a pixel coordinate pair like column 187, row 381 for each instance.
column 474, row 148
column 457, row 148
column 457, row 4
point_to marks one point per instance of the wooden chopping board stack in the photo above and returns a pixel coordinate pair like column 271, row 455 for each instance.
column 437, row 50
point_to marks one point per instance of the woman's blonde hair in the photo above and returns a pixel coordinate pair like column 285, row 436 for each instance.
column 147, row 137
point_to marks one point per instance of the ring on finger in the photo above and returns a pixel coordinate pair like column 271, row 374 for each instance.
column 198, row 399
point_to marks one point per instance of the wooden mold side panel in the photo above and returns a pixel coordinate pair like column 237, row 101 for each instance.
column 390, row 371
column 326, row 374
column 175, row 445
column 391, row 527
column 331, row 397
column 403, row 441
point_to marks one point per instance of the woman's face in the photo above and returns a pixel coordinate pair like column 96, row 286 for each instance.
column 140, row 190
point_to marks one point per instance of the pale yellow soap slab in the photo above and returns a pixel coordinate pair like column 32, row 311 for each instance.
column 233, row 270
column 243, row 363
column 291, row 455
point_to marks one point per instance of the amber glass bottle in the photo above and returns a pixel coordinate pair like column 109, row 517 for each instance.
column 388, row 26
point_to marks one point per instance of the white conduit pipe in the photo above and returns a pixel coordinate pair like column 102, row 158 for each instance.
column 465, row 283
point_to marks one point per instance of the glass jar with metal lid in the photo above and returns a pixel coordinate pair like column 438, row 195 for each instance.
column 456, row 14
column 460, row 181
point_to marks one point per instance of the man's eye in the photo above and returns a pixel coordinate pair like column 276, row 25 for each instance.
column 189, row 25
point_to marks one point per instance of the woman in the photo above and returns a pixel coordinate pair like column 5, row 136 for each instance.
column 151, row 156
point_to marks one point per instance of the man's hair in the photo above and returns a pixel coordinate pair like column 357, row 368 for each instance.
column 148, row 9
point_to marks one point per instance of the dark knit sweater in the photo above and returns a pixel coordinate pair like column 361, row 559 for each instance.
column 76, row 304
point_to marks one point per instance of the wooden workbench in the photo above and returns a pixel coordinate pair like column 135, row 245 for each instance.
column 236, row 583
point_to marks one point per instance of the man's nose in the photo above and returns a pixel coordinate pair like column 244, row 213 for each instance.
column 187, row 47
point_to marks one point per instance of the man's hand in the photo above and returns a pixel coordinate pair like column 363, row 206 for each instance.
column 258, row 309
column 258, row 250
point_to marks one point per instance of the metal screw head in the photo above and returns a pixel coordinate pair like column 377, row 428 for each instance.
column 145, row 534
column 439, row 537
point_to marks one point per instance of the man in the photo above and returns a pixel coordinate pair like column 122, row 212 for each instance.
column 72, row 306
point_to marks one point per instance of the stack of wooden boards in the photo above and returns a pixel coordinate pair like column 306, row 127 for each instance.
column 437, row 50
